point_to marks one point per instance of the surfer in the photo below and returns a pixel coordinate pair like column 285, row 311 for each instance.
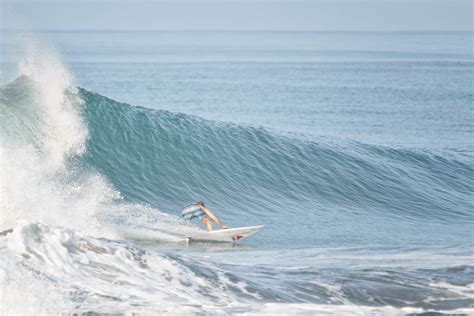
column 200, row 210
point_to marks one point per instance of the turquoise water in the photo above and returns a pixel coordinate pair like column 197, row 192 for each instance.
column 354, row 149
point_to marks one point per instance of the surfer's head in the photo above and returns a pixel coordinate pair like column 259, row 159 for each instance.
column 201, row 203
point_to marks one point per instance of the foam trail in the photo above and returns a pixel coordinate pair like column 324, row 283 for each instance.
column 86, row 269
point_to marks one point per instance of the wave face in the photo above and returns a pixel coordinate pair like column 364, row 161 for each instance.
column 252, row 176
column 349, row 226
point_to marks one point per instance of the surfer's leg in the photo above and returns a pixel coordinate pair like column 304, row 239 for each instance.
column 207, row 222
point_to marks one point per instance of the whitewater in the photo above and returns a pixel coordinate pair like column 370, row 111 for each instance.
column 91, row 190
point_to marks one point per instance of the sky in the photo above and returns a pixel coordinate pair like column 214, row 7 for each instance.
column 286, row 15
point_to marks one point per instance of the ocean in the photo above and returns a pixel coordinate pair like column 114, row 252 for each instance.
column 354, row 149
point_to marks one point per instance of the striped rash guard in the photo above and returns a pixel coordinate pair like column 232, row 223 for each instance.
column 192, row 211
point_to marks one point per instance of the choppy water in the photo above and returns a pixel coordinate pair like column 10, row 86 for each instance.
column 354, row 149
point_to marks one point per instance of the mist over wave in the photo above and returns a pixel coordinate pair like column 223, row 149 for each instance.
column 42, row 130
column 44, row 135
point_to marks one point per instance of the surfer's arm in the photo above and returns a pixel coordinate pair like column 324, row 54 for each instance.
column 212, row 216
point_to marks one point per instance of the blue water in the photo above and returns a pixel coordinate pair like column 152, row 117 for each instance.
column 354, row 149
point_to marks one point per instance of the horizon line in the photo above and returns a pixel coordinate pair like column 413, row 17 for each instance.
column 235, row 30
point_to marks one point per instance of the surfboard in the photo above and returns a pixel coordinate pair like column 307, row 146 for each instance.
column 225, row 235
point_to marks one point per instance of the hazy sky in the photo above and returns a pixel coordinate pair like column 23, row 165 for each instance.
column 323, row 15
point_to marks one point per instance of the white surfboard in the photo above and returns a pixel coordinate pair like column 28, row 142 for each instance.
column 224, row 235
